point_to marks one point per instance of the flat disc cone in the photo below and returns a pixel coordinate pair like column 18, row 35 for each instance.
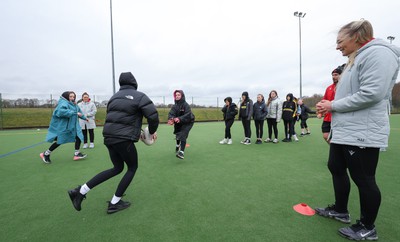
column 304, row 209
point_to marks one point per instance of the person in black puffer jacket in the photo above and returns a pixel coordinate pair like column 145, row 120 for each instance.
column 182, row 118
column 122, row 128
column 260, row 112
column 245, row 114
column 289, row 109
column 229, row 110
column 304, row 116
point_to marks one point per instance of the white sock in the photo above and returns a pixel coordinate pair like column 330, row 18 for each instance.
column 47, row 152
column 84, row 189
column 115, row 199
column 76, row 152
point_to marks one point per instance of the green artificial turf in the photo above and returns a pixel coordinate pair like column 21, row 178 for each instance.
column 217, row 193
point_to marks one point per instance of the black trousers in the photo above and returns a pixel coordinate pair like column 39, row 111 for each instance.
column 120, row 153
column 361, row 164
column 289, row 128
column 272, row 125
column 259, row 128
column 85, row 136
column 246, row 126
column 55, row 145
column 181, row 134
column 303, row 123
column 228, row 125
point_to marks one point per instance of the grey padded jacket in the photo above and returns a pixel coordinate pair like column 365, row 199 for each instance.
column 360, row 111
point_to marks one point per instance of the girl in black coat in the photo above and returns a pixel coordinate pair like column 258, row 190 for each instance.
column 289, row 110
column 260, row 112
column 229, row 110
column 182, row 118
column 245, row 114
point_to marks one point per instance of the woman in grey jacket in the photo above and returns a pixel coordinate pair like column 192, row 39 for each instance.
column 274, row 107
column 89, row 110
column 360, row 124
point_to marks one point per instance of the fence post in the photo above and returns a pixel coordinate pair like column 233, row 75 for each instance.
column 1, row 112
column 51, row 104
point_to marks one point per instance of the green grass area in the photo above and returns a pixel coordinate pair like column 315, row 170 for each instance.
column 218, row 193
column 40, row 117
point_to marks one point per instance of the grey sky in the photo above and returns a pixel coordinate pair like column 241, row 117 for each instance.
column 208, row 48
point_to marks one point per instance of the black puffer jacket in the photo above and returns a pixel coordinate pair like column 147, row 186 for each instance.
column 230, row 111
column 125, row 111
column 181, row 110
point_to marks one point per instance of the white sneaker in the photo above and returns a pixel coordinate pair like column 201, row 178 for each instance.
column 295, row 138
column 267, row 140
column 91, row 146
column 229, row 141
column 275, row 141
column 224, row 141
column 243, row 141
column 85, row 146
column 247, row 142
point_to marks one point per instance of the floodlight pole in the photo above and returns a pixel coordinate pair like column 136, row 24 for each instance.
column 300, row 15
column 390, row 38
column 112, row 49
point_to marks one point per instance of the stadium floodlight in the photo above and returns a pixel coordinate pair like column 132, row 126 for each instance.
column 390, row 38
column 300, row 15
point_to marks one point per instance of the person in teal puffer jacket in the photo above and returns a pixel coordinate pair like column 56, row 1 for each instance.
column 64, row 126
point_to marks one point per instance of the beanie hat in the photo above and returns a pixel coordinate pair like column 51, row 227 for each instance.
column 338, row 70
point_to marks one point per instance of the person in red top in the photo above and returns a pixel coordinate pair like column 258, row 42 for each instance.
column 330, row 95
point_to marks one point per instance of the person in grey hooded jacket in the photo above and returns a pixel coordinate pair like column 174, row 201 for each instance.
column 360, row 124
column 122, row 128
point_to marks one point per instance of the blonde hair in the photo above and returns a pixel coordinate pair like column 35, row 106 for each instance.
column 362, row 31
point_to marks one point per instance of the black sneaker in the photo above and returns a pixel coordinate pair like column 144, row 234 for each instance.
column 76, row 197
column 45, row 158
column 247, row 142
column 180, row 155
column 79, row 156
column 358, row 231
column 121, row 205
column 331, row 213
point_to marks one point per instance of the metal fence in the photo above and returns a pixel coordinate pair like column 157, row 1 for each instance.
column 11, row 105
column 50, row 100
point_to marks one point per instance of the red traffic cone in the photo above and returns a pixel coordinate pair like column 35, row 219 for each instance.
column 304, row 209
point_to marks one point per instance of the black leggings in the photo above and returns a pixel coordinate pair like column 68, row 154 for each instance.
column 259, row 128
column 91, row 135
column 303, row 124
column 246, row 126
column 119, row 153
column 361, row 163
column 272, row 124
column 228, row 125
column 289, row 128
column 55, row 145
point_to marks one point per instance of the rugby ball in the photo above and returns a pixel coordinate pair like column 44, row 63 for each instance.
column 145, row 136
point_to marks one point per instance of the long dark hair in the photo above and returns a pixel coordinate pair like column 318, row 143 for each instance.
column 270, row 98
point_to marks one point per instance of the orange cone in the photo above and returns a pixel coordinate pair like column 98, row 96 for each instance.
column 304, row 209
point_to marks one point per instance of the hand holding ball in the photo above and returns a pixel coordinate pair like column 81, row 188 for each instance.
column 146, row 137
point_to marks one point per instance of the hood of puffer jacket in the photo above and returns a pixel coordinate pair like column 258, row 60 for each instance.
column 182, row 94
column 290, row 95
column 126, row 78
column 381, row 42
column 229, row 99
